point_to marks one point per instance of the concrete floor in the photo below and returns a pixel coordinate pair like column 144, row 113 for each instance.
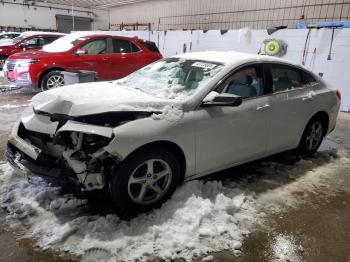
column 317, row 230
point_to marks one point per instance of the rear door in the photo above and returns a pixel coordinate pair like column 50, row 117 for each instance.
column 125, row 59
column 291, row 104
column 49, row 39
column 96, row 58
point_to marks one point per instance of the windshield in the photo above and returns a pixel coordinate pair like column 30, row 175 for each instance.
column 64, row 43
column 172, row 78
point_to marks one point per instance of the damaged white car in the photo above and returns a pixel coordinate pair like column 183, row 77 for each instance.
column 174, row 120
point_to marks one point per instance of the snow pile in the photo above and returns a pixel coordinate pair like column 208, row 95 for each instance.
column 284, row 248
column 201, row 216
column 66, row 42
column 172, row 113
column 81, row 99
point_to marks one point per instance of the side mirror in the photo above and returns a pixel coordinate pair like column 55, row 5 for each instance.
column 225, row 99
column 21, row 46
column 81, row 51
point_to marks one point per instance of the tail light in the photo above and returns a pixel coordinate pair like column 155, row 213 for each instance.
column 337, row 93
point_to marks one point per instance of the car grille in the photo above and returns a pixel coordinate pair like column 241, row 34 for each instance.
column 10, row 65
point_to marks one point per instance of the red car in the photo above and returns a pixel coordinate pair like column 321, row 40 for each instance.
column 24, row 42
column 110, row 56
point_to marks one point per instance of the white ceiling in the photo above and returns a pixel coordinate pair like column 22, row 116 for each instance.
column 100, row 4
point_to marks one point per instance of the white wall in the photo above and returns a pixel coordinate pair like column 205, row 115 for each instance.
column 336, row 70
column 44, row 18
column 229, row 14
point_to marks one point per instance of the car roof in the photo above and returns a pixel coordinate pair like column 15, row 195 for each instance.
column 8, row 33
column 91, row 34
column 97, row 33
column 231, row 57
column 33, row 33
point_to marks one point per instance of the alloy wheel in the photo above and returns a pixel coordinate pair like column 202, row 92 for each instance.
column 54, row 81
column 149, row 181
column 314, row 136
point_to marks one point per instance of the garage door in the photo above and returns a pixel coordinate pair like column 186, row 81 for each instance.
column 65, row 23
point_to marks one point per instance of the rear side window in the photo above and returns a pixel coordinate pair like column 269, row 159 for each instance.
column 308, row 78
column 150, row 46
column 96, row 47
column 285, row 78
column 49, row 39
column 124, row 46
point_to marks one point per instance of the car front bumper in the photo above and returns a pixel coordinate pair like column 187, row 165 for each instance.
column 26, row 158
column 8, row 75
column 33, row 152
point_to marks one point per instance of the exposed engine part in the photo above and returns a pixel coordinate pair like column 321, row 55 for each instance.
column 89, row 181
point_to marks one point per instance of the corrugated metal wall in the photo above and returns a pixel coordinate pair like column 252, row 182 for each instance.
column 228, row 14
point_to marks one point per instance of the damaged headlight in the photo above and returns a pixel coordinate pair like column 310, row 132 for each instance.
column 92, row 143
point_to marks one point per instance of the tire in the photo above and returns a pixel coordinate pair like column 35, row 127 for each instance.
column 312, row 136
column 52, row 80
column 136, row 188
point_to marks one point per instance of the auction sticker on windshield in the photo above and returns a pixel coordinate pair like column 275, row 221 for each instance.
column 204, row 65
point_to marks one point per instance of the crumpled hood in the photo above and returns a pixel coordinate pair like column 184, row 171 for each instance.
column 95, row 98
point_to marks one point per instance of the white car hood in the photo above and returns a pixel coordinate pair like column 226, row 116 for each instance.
column 95, row 98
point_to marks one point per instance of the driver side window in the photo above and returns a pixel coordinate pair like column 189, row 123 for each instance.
column 246, row 82
column 96, row 47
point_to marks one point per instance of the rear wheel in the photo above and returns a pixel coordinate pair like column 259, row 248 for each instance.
column 144, row 181
column 312, row 136
column 52, row 80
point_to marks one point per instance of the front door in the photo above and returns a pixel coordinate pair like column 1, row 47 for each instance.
column 231, row 135
column 96, row 58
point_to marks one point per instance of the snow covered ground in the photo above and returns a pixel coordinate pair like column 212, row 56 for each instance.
column 201, row 217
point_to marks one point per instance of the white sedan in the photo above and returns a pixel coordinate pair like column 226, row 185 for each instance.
column 174, row 120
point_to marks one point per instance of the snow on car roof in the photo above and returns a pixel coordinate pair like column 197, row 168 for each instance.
column 6, row 33
column 30, row 33
column 227, row 57
column 65, row 43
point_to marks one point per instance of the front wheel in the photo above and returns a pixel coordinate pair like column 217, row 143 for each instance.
column 312, row 137
column 144, row 181
column 52, row 80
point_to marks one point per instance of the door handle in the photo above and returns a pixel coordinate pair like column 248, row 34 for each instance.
column 104, row 58
column 263, row 107
column 307, row 97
